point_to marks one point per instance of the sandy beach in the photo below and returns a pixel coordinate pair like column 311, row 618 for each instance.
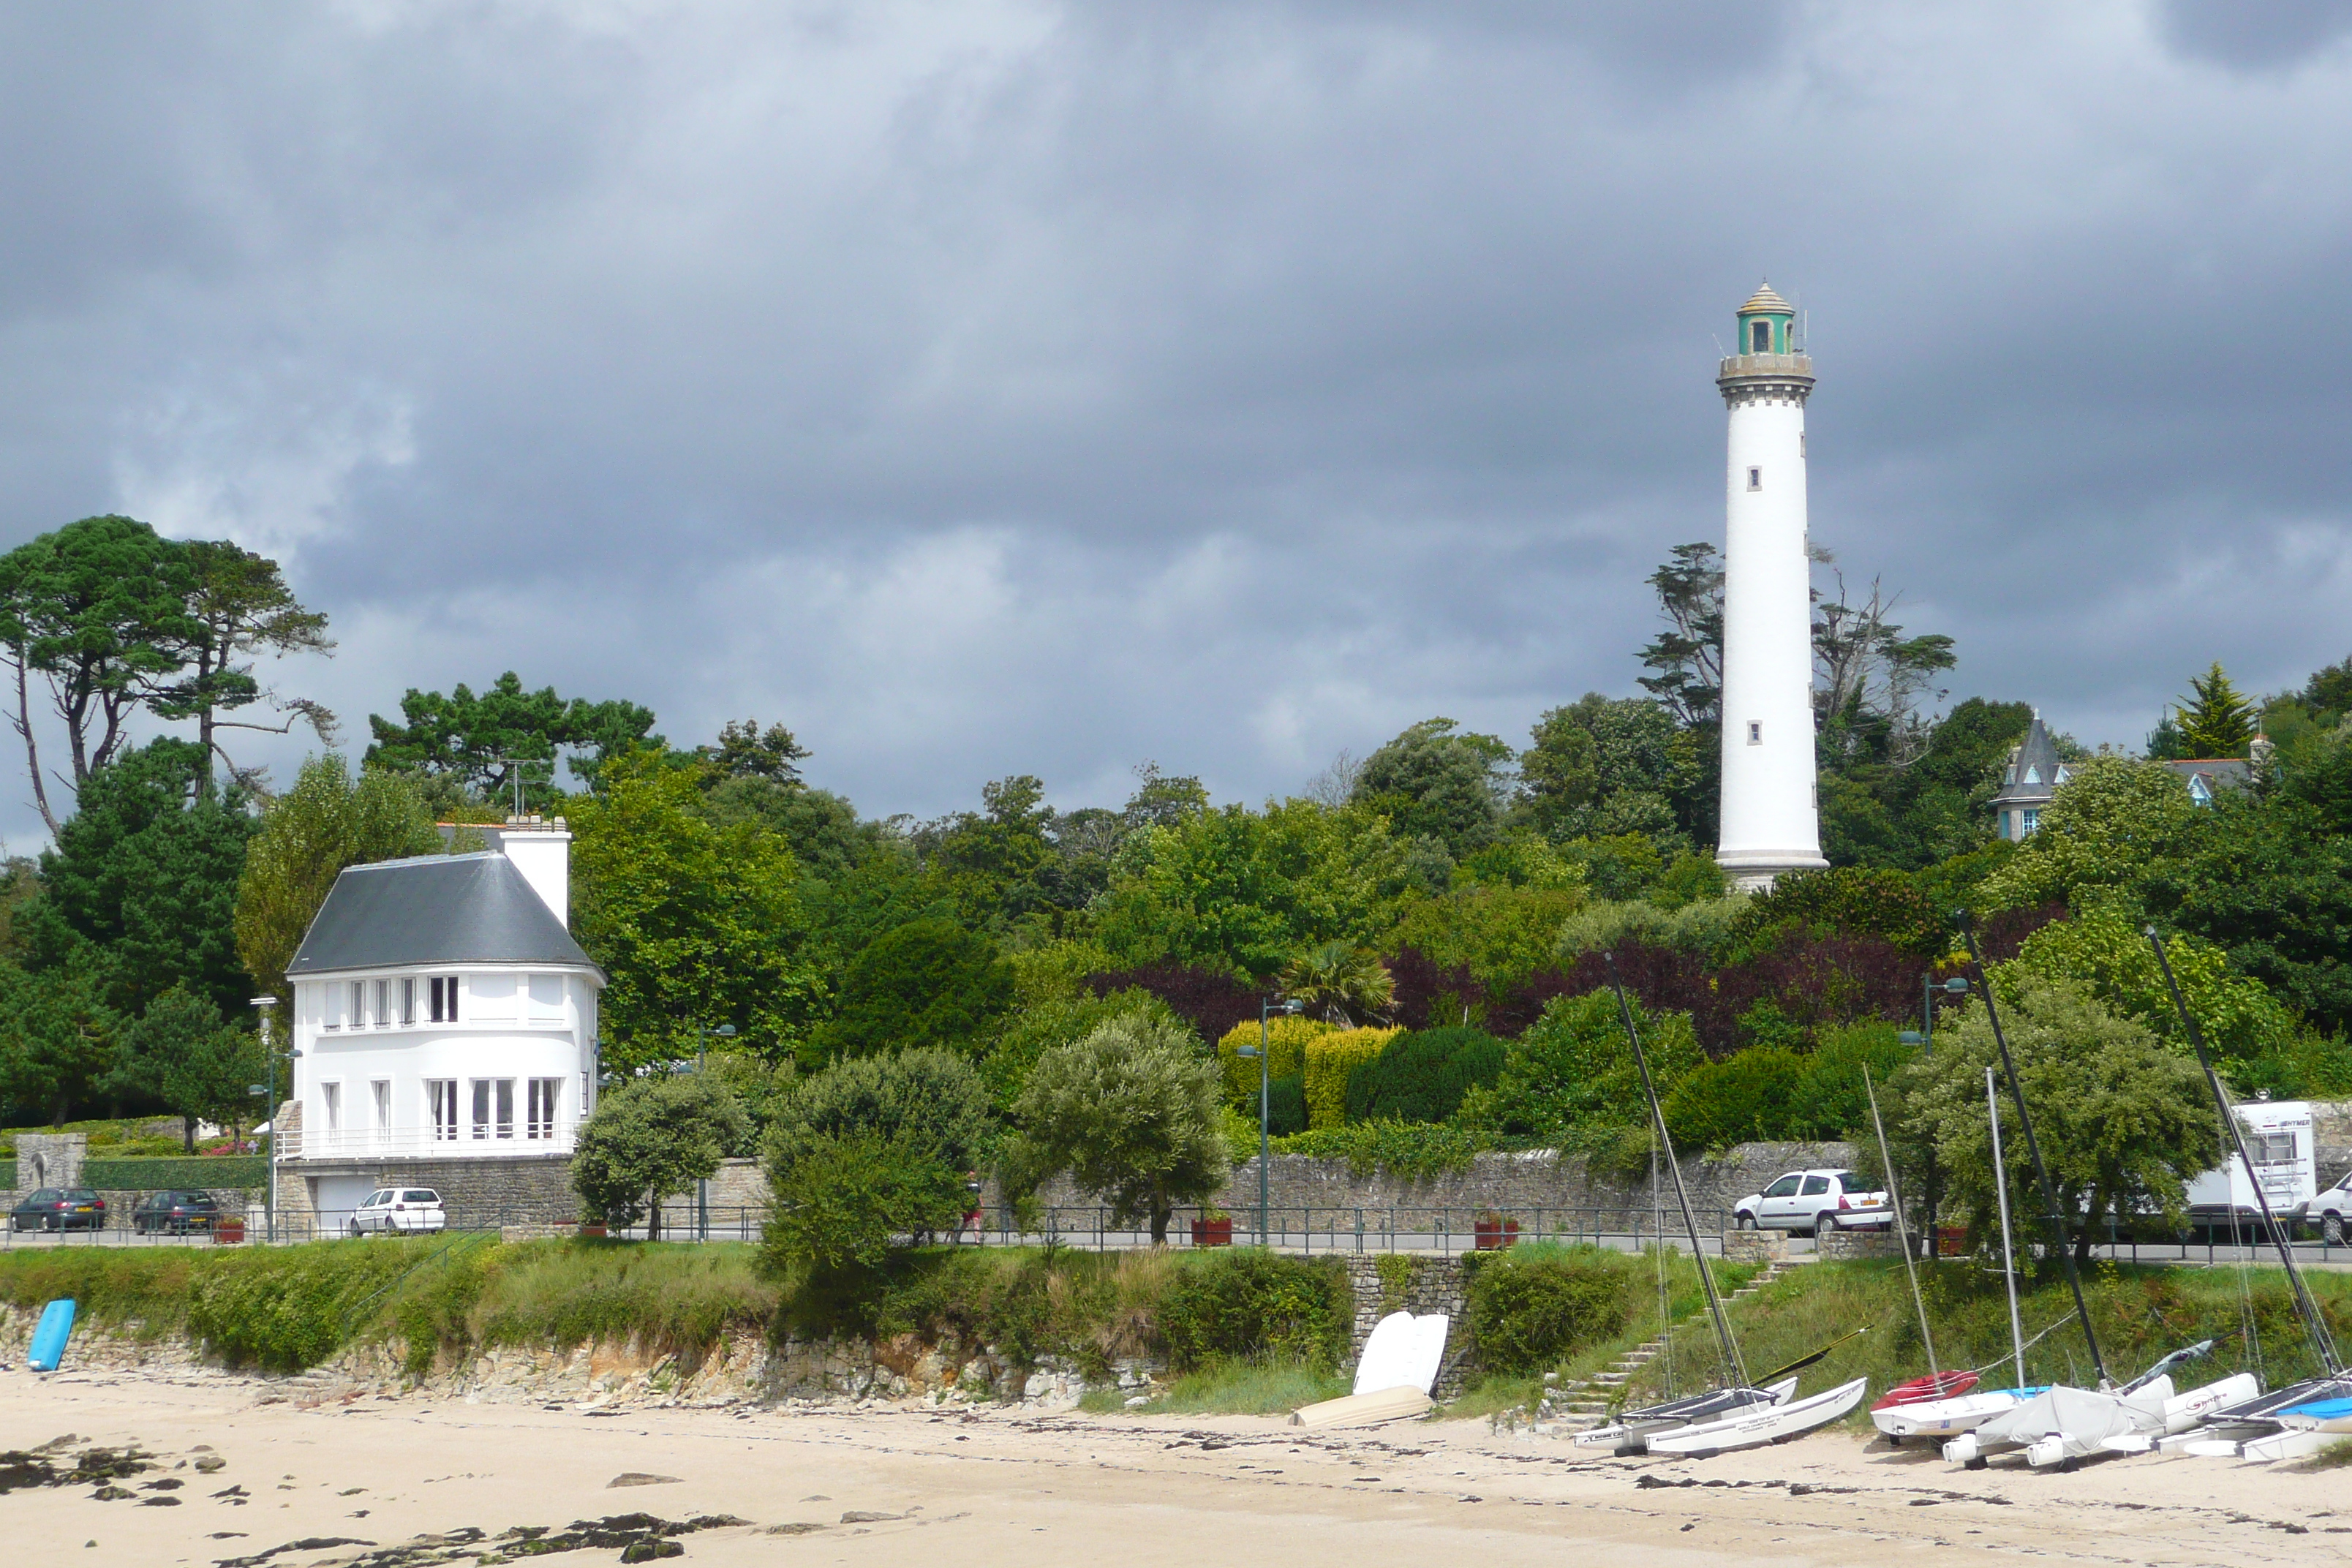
column 263, row 1465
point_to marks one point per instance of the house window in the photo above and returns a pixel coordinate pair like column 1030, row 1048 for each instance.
column 540, row 1112
column 494, row 1108
column 1755, row 479
column 359, row 1003
column 328, row 1018
column 442, row 1094
column 383, row 1004
column 407, row 1002
column 1759, row 338
column 379, row 1093
column 2027, row 821
column 545, row 996
column 330, row 1101
column 2033, row 775
column 442, row 994
column 1756, row 731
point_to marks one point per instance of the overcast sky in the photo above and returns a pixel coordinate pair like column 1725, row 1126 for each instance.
column 987, row 388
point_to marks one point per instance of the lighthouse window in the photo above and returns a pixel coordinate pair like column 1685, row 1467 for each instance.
column 1759, row 338
column 1755, row 479
column 1756, row 731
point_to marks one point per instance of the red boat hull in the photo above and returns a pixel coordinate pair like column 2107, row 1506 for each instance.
column 1935, row 1385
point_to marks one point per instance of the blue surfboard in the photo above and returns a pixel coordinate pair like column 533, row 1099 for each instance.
column 49, row 1336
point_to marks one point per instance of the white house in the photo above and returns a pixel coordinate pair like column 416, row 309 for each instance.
column 444, row 1030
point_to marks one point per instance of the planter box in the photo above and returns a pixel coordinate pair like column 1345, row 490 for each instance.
column 1949, row 1239
column 591, row 1230
column 1212, row 1233
column 228, row 1233
column 1494, row 1235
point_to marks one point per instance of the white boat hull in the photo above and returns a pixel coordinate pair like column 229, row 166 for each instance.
column 1633, row 1437
column 1772, row 1424
column 1943, row 1417
column 2287, row 1446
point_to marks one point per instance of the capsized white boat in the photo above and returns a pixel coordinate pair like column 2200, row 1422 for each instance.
column 2288, row 1445
column 1759, row 1425
column 1632, row 1429
column 1402, row 1351
column 2188, row 1411
column 2229, row 1429
column 1943, row 1417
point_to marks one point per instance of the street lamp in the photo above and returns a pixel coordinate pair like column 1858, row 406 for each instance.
column 702, row 1187
column 269, row 1091
column 1263, row 1053
column 1924, row 1037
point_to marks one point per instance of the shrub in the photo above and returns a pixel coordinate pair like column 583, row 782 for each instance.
column 1740, row 1101
column 1830, row 1100
column 1422, row 1074
column 1852, row 900
column 1408, row 1150
column 1246, row 1303
column 1055, row 1021
column 1131, row 1112
column 1286, row 1106
column 1331, row 1059
column 1211, row 1000
column 1528, row 1309
column 927, row 983
column 1572, row 1070
column 1287, row 1038
column 652, row 1138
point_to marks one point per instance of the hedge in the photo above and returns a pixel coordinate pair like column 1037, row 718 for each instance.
column 1528, row 1310
column 1329, row 1060
column 1422, row 1075
column 246, row 1173
column 1287, row 1037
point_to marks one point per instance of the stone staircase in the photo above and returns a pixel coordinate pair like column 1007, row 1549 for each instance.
column 1579, row 1406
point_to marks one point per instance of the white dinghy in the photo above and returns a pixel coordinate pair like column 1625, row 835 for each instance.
column 1632, row 1431
column 1937, row 1418
column 1756, row 1427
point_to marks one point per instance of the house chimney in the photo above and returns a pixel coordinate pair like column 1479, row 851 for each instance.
column 541, row 850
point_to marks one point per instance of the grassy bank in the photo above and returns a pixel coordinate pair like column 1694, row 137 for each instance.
column 2139, row 1314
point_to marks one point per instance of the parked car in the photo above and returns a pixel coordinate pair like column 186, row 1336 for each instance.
column 1808, row 1201
column 400, row 1209
column 2325, row 1210
column 178, row 1211
column 60, row 1209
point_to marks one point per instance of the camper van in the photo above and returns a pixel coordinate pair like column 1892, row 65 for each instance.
column 2279, row 1142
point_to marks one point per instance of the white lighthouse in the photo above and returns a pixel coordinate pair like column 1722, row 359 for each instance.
column 1771, row 816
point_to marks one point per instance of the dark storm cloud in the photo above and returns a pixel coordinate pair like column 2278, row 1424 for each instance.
column 990, row 388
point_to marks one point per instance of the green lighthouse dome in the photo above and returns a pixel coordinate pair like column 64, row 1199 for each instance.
column 1765, row 322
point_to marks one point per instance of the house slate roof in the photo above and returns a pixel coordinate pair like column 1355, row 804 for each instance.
column 2031, row 776
column 433, row 908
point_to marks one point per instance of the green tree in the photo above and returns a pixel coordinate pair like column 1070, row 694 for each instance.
column 1131, row 1113
column 1688, row 655
column 200, row 1067
column 238, row 605
column 2124, row 1119
column 1747, row 1098
column 2216, row 721
column 99, row 609
column 927, row 983
column 874, row 1147
column 746, row 751
column 696, row 924
column 2109, row 827
column 146, row 873
column 482, row 742
column 1228, row 888
column 2106, row 952
column 327, row 821
column 59, row 1039
column 1436, row 781
column 652, row 1138
column 1571, row 1073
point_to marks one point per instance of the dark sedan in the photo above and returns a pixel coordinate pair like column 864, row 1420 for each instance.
column 176, row 1212
column 60, row 1209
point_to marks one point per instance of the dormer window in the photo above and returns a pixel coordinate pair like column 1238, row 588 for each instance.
column 2033, row 775
column 2062, row 776
column 1759, row 338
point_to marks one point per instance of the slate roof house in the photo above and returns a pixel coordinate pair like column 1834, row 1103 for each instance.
column 444, row 1033
column 2034, row 771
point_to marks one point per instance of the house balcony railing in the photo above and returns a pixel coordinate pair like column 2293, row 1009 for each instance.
column 466, row 1142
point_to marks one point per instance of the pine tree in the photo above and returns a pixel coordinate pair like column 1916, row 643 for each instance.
column 2219, row 722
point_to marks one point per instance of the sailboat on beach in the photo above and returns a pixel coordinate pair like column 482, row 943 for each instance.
column 1736, row 1413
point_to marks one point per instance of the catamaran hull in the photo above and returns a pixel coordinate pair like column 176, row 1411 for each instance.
column 1943, row 1417
column 1631, row 1432
column 1755, row 1428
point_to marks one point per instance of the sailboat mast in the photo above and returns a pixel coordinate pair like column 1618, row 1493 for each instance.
column 2034, row 1148
column 1901, row 1232
column 2314, row 1325
column 1731, row 1360
column 2007, row 1260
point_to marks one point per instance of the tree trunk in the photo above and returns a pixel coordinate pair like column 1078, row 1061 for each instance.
column 652, row 1218
column 32, row 746
column 1160, row 1209
column 188, row 1133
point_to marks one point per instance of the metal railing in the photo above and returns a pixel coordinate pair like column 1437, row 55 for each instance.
column 467, row 1139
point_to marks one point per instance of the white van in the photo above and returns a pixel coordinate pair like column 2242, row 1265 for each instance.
column 2279, row 1141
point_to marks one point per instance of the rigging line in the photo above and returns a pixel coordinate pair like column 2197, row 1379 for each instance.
column 2056, row 1323
column 1733, row 1366
column 1901, row 1232
column 1665, row 1297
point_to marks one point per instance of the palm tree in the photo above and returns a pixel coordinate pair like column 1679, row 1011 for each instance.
column 1343, row 982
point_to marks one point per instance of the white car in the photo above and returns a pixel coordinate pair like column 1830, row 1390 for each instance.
column 403, row 1210
column 2325, row 1211
column 1807, row 1201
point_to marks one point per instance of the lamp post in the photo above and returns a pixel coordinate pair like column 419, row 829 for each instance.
column 702, row 1187
column 1264, row 1055
column 1924, row 1036
column 269, row 1091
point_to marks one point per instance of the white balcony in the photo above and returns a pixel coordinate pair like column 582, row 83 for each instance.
column 466, row 1142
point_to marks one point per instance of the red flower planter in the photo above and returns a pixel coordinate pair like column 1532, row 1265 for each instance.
column 1212, row 1233
column 228, row 1233
column 1494, row 1235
